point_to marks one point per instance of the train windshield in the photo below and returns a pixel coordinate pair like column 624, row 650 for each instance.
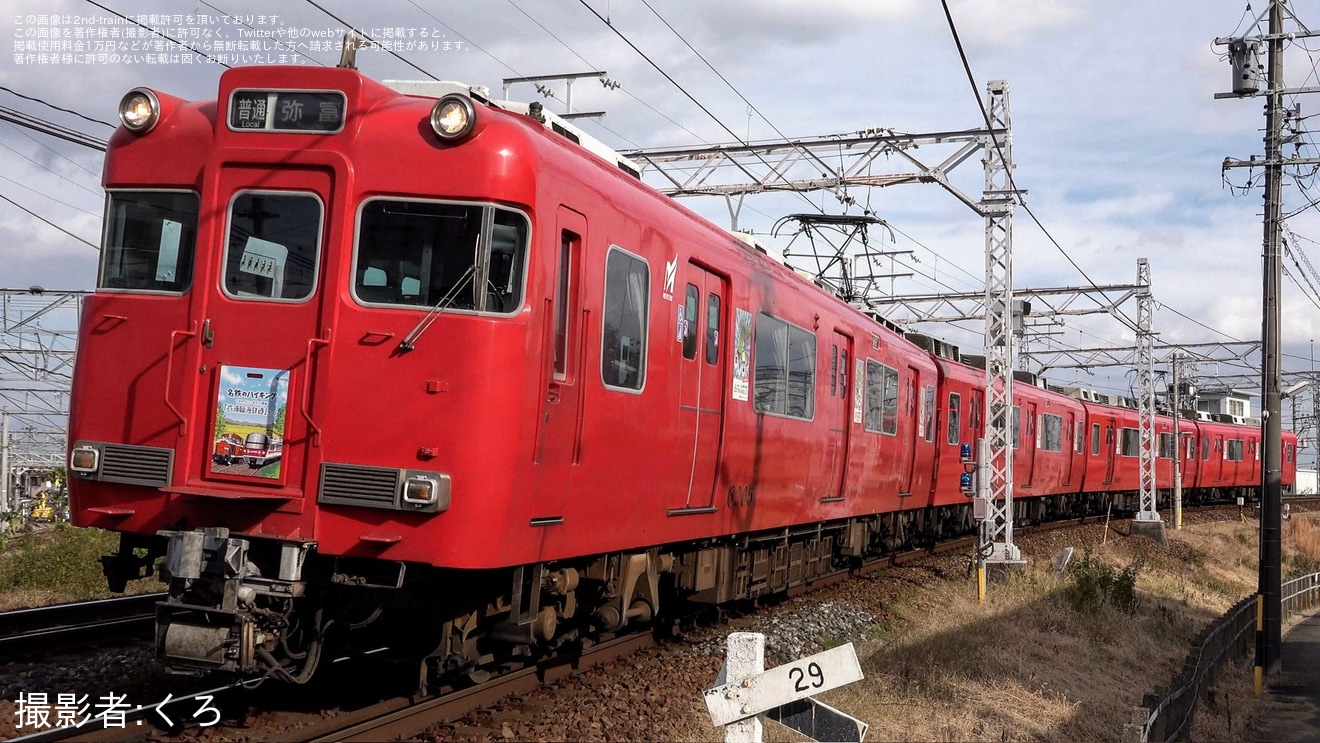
column 274, row 241
column 150, row 237
column 425, row 253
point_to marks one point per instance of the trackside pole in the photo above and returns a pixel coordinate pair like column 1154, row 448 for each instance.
column 745, row 659
column 744, row 691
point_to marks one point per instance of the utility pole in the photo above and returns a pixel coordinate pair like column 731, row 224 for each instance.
column 1269, row 614
column 1269, row 630
column 4, row 461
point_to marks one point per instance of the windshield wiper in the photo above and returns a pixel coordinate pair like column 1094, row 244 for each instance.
column 409, row 341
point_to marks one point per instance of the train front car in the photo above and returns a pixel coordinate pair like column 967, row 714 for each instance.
column 309, row 322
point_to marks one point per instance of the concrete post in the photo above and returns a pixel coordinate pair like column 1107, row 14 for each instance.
column 745, row 659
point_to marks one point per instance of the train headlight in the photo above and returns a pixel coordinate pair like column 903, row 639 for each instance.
column 420, row 491
column 424, row 491
column 453, row 117
column 139, row 110
column 84, row 459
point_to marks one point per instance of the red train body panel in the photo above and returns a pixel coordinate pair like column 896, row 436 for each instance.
column 501, row 352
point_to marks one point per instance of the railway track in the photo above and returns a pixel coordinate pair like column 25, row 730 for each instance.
column 47, row 629
column 402, row 716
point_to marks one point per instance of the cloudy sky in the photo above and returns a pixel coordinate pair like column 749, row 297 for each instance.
column 1118, row 139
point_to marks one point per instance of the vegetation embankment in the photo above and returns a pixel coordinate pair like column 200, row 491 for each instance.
column 1064, row 656
column 54, row 564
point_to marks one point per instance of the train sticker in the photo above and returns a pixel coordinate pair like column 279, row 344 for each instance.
column 742, row 354
column 248, row 437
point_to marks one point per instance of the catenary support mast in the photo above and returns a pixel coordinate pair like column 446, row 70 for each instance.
column 1147, row 520
column 996, row 483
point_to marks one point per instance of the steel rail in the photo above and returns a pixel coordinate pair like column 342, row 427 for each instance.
column 49, row 628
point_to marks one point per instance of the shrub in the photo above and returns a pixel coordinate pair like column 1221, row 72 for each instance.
column 1095, row 584
column 64, row 559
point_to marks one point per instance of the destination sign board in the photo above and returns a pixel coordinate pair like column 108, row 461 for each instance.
column 294, row 111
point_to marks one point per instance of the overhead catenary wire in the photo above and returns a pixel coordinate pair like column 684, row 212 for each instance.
column 158, row 33
column 88, row 243
column 96, row 192
column 48, row 104
column 267, row 35
column 622, row 88
column 685, row 92
column 364, row 35
column 971, row 79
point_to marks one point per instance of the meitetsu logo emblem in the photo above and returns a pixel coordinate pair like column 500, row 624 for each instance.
column 671, row 272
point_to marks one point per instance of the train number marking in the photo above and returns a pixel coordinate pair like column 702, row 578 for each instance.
column 742, row 495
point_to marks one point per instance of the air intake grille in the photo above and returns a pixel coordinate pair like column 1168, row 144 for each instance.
column 355, row 485
column 136, row 465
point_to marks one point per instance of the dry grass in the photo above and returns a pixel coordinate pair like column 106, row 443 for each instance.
column 55, row 564
column 1028, row 665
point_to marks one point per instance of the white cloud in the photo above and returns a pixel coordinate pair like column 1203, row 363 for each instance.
column 1012, row 23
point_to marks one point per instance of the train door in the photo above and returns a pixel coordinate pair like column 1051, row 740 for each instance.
column 907, row 439
column 1070, row 448
column 701, row 381
column 1217, row 463
column 559, row 430
column 1030, row 441
column 839, row 414
column 1188, row 452
column 261, row 327
column 1110, row 451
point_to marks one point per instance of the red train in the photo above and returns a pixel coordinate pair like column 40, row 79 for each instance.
column 523, row 398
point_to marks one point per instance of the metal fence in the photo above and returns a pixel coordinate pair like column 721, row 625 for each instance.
column 1167, row 714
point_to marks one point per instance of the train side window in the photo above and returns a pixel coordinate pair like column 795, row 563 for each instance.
column 1234, row 451
column 501, row 267
column 274, row 245
column 713, row 329
column 801, row 373
column 955, row 416
column 1205, row 449
column 843, row 373
column 1017, row 426
column 1131, row 443
column 785, row 365
column 834, row 370
column 1191, row 448
column 624, row 320
column 568, row 249
column 881, row 398
column 928, row 411
column 149, row 241
column 1079, row 437
column 1051, row 432
column 1095, row 439
column 1166, row 447
column 1288, row 453
column 690, row 322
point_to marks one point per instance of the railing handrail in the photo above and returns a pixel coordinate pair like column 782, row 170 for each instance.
column 1203, row 666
